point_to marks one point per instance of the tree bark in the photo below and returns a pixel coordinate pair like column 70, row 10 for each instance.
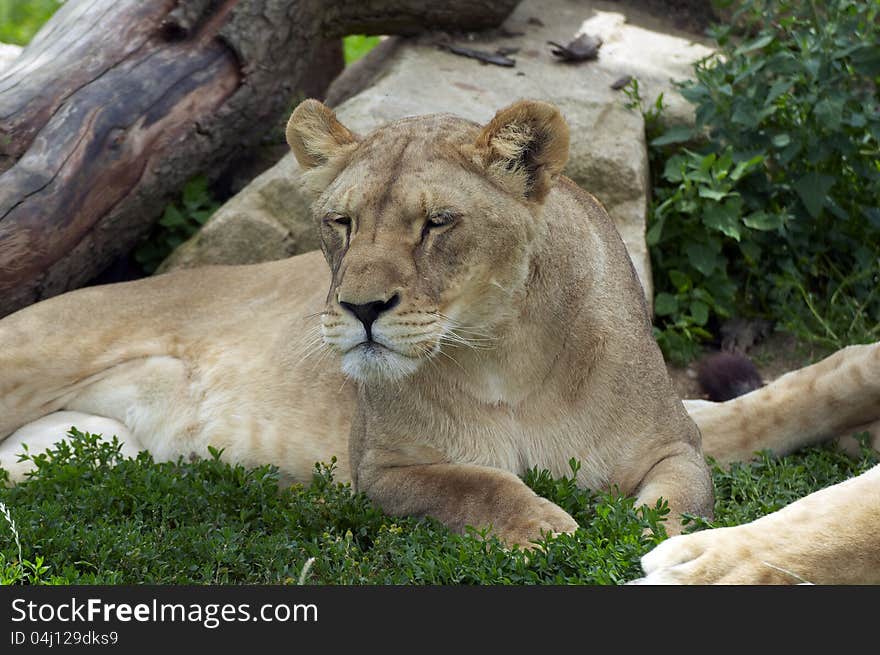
column 115, row 104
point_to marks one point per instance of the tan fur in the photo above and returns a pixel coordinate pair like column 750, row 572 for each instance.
column 837, row 395
column 518, row 336
column 828, row 537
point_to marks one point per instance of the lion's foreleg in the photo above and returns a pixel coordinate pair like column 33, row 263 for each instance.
column 461, row 495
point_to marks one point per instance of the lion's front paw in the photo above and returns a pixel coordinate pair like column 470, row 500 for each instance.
column 719, row 556
column 543, row 519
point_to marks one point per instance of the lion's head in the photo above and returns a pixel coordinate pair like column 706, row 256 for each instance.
column 427, row 225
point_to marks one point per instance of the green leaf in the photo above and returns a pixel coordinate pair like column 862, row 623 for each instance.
column 712, row 194
column 195, row 193
column 201, row 217
column 756, row 44
column 812, row 189
column 745, row 115
column 665, row 304
column 680, row 281
column 783, row 63
column 764, row 221
column 701, row 257
column 699, row 312
column 704, row 164
column 789, row 153
column 724, row 162
column 172, row 217
column 867, row 60
column 777, row 90
column 677, row 134
column 856, row 120
column 829, row 113
column 724, row 218
column 702, row 294
column 781, row 140
column 746, row 166
column 672, row 171
column 652, row 237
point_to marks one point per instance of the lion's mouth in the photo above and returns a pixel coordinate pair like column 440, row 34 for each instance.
column 371, row 347
column 371, row 361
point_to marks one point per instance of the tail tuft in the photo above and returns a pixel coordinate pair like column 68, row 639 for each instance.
column 724, row 376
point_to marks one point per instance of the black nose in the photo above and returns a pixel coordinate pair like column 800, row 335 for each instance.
column 369, row 312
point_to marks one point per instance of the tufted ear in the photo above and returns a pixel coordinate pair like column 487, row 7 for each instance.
column 316, row 136
column 524, row 147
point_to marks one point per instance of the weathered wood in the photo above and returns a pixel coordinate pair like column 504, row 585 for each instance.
column 116, row 103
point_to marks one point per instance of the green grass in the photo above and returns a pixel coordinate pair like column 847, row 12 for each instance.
column 83, row 518
column 20, row 19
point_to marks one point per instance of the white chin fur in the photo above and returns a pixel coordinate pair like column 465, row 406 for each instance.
column 377, row 364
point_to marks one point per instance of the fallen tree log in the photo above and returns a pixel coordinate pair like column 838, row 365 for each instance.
column 115, row 104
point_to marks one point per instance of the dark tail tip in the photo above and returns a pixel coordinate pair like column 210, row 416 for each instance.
column 725, row 375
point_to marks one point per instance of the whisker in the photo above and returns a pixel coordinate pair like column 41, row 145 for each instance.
column 313, row 350
column 450, row 358
column 461, row 327
column 471, row 341
column 455, row 339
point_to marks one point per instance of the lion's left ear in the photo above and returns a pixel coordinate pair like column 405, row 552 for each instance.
column 524, row 147
column 315, row 135
column 321, row 144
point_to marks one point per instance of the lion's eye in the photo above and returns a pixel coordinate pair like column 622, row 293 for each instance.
column 440, row 219
column 338, row 219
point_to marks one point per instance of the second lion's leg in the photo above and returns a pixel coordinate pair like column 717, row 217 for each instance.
column 828, row 537
column 838, row 394
column 684, row 481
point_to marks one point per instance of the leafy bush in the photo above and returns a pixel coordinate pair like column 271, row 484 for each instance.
column 178, row 223
column 773, row 208
column 87, row 516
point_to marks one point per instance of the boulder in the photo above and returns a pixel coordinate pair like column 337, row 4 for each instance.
column 269, row 219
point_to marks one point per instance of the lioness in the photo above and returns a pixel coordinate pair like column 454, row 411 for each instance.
column 482, row 318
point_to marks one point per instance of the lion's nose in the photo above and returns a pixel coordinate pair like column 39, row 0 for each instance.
column 367, row 313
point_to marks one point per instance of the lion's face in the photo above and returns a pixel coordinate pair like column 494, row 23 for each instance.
column 426, row 228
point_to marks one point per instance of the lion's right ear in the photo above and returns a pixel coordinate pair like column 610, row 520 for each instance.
column 525, row 147
column 316, row 137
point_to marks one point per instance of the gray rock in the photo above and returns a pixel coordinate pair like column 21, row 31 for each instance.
column 269, row 219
